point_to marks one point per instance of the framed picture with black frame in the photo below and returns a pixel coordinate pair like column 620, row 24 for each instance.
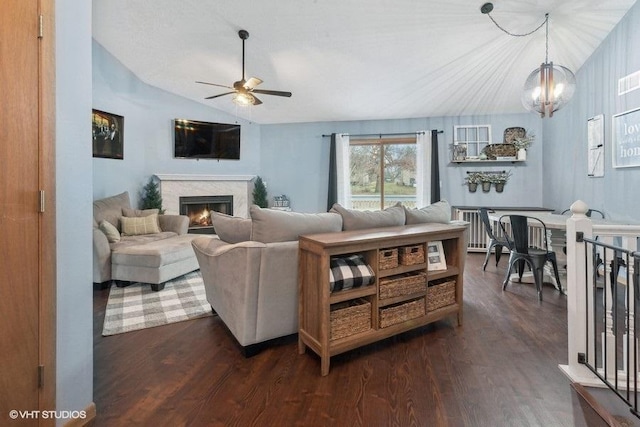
column 435, row 256
column 108, row 135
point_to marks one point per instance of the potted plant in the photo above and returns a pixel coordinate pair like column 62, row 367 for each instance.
column 260, row 193
column 487, row 180
column 150, row 197
column 472, row 180
column 500, row 179
column 521, row 144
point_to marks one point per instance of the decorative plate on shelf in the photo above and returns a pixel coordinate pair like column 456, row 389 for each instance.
column 511, row 133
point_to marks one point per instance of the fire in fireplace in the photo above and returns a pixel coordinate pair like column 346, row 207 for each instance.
column 199, row 208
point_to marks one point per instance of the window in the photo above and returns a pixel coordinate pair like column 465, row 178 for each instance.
column 383, row 172
column 474, row 138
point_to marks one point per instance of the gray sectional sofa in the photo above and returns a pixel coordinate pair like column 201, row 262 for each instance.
column 131, row 245
column 250, row 270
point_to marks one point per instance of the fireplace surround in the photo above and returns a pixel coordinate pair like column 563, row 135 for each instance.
column 199, row 209
column 174, row 186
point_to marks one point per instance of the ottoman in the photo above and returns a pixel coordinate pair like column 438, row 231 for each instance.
column 154, row 262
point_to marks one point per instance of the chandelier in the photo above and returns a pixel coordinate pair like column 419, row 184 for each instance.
column 548, row 88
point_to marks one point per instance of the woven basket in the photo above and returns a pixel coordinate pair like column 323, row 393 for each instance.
column 441, row 294
column 387, row 258
column 499, row 150
column 410, row 255
column 395, row 286
column 350, row 317
column 401, row 312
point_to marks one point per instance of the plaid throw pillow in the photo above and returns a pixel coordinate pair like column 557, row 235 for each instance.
column 349, row 272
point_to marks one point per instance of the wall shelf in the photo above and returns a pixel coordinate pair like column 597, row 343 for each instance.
column 488, row 161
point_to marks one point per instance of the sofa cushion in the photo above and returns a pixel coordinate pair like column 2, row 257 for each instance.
column 131, row 213
column 435, row 212
column 269, row 226
column 110, row 230
column 357, row 220
column 140, row 225
column 110, row 209
column 231, row 229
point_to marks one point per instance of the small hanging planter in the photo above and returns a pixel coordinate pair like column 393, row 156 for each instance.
column 472, row 180
column 500, row 179
column 486, row 186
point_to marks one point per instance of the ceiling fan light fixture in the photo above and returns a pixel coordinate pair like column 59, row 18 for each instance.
column 244, row 99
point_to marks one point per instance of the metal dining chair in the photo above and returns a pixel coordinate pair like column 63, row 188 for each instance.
column 495, row 241
column 522, row 253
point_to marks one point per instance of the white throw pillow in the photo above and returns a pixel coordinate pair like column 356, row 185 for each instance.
column 112, row 233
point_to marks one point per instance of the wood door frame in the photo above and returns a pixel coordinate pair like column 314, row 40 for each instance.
column 47, row 224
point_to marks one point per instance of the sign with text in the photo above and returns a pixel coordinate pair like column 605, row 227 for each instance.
column 626, row 139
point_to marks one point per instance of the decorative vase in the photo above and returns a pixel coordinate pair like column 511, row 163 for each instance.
column 473, row 186
column 486, row 186
column 522, row 154
column 499, row 187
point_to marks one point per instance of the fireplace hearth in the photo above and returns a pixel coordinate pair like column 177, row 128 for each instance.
column 199, row 208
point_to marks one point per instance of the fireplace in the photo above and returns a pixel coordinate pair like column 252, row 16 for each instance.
column 199, row 208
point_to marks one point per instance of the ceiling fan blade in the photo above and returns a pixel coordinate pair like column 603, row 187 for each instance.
column 272, row 92
column 252, row 82
column 257, row 101
column 213, row 84
column 217, row 96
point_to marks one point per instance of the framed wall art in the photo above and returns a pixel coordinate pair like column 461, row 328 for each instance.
column 435, row 256
column 625, row 139
column 107, row 129
column 595, row 146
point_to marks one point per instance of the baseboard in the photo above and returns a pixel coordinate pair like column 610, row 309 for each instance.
column 90, row 412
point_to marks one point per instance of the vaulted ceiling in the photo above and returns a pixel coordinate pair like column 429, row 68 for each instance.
column 355, row 59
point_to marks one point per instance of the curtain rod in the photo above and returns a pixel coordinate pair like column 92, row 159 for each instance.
column 383, row 134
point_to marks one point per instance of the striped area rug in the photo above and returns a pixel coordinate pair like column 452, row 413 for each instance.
column 138, row 307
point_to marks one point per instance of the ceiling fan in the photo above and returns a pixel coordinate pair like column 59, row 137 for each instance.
column 244, row 90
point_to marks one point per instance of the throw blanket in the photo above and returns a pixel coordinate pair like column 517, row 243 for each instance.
column 349, row 272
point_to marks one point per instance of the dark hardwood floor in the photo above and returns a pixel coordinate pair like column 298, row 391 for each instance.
column 499, row 369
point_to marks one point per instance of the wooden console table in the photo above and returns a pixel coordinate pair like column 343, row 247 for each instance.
column 384, row 316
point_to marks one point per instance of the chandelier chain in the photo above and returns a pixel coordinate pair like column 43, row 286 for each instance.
column 546, row 21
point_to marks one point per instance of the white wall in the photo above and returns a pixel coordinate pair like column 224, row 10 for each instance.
column 74, row 341
column 565, row 151
column 148, row 131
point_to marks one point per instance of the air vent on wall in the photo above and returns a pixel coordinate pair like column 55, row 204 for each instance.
column 629, row 83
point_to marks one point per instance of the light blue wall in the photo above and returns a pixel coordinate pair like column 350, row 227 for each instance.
column 295, row 159
column 565, row 145
column 148, row 131
column 74, row 299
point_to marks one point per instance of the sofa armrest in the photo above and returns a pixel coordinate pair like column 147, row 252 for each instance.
column 278, row 292
column 101, row 257
column 179, row 224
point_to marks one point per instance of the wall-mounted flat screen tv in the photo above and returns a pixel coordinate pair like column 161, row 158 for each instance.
column 203, row 140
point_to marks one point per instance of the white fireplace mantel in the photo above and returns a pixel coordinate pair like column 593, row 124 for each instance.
column 174, row 186
column 195, row 177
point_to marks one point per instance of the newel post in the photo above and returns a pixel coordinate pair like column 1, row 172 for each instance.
column 579, row 325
